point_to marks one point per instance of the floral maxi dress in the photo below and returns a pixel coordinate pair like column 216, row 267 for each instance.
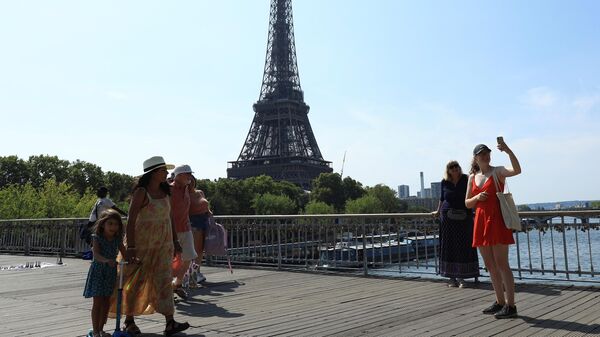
column 147, row 286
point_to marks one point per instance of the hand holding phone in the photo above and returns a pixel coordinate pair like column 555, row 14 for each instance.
column 501, row 144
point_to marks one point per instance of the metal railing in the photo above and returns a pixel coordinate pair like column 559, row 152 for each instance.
column 556, row 245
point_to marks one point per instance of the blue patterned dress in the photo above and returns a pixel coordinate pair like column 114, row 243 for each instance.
column 102, row 277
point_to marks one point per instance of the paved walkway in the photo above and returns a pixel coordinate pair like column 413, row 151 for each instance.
column 48, row 302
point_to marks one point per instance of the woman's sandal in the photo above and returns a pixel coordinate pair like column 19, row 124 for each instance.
column 175, row 327
column 131, row 328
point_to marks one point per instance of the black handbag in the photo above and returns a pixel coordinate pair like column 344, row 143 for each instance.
column 85, row 230
column 456, row 214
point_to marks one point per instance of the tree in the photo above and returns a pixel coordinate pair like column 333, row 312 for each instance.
column 352, row 189
column 318, row 207
column 119, row 185
column 231, row 197
column 13, row 170
column 387, row 197
column 43, row 168
column 84, row 176
column 522, row 208
column 20, row 202
column 270, row 204
column 327, row 188
column 52, row 200
column 595, row 204
column 368, row 204
column 294, row 192
column 417, row 209
column 259, row 185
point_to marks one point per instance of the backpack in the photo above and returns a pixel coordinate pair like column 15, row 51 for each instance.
column 215, row 240
column 85, row 229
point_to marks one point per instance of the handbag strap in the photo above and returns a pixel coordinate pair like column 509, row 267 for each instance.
column 96, row 208
column 497, row 182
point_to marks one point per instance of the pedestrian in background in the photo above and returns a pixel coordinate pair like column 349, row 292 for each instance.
column 180, row 215
column 458, row 258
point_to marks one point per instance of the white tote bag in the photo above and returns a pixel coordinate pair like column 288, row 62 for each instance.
column 510, row 214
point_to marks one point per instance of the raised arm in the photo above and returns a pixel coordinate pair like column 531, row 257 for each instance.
column 122, row 212
column 504, row 172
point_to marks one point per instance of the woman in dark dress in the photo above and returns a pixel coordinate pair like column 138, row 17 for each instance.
column 458, row 259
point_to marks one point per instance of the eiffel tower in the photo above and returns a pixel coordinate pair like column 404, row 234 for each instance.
column 280, row 143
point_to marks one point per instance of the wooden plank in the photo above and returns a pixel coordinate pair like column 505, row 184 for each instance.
column 402, row 304
column 259, row 302
column 535, row 305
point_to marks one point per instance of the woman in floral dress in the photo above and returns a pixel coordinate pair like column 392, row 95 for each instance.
column 150, row 241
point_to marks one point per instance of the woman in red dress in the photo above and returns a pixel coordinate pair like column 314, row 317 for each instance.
column 490, row 234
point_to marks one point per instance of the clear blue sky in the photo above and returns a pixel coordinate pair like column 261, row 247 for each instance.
column 402, row 86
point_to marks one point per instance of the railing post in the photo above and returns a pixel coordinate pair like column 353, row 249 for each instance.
column 27, row 240
column 279, row 246
column 519, row 256
column 63, row 248
column 364, row 246
column 564, row 235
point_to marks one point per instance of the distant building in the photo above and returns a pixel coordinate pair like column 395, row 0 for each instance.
column 422, row 185
column 428, row 203
column 427, row 193
column 403, row 192
column 419, row 195
column 436, row 190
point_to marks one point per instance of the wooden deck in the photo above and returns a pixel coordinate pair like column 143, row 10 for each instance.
column 251, row 302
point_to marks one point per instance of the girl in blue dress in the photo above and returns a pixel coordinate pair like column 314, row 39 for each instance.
column 107, row 241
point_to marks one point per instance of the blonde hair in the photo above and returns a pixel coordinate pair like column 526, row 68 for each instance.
column 450, row 165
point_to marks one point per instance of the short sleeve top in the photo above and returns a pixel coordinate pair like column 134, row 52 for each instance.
column 101, row 205
column 453, row 196
column 108, row 249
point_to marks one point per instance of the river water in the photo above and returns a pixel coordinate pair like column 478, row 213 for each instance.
column 537, row 251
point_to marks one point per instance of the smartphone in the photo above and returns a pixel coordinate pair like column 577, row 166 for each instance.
column 500, row 139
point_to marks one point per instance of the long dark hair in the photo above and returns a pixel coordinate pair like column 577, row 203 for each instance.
column 104, row 217
column 144, row 181
column 474, row 166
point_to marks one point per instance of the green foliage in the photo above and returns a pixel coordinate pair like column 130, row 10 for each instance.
column 13, row 170
column 595, row 204
column 19, row 202
column 43, row 168
column 119, row 185
column 417, row 209
column 387, row 197
column 352, row 189
column 271, row 204
column 52, row 200
column 230, row 197
column 79, row 175
column 84, row 175
column 368, row 204
column 46, row 186
column 327, row 188
column 318, row 207
column 523, row 208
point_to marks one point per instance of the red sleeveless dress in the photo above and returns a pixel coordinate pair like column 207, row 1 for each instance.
column 489, row 228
